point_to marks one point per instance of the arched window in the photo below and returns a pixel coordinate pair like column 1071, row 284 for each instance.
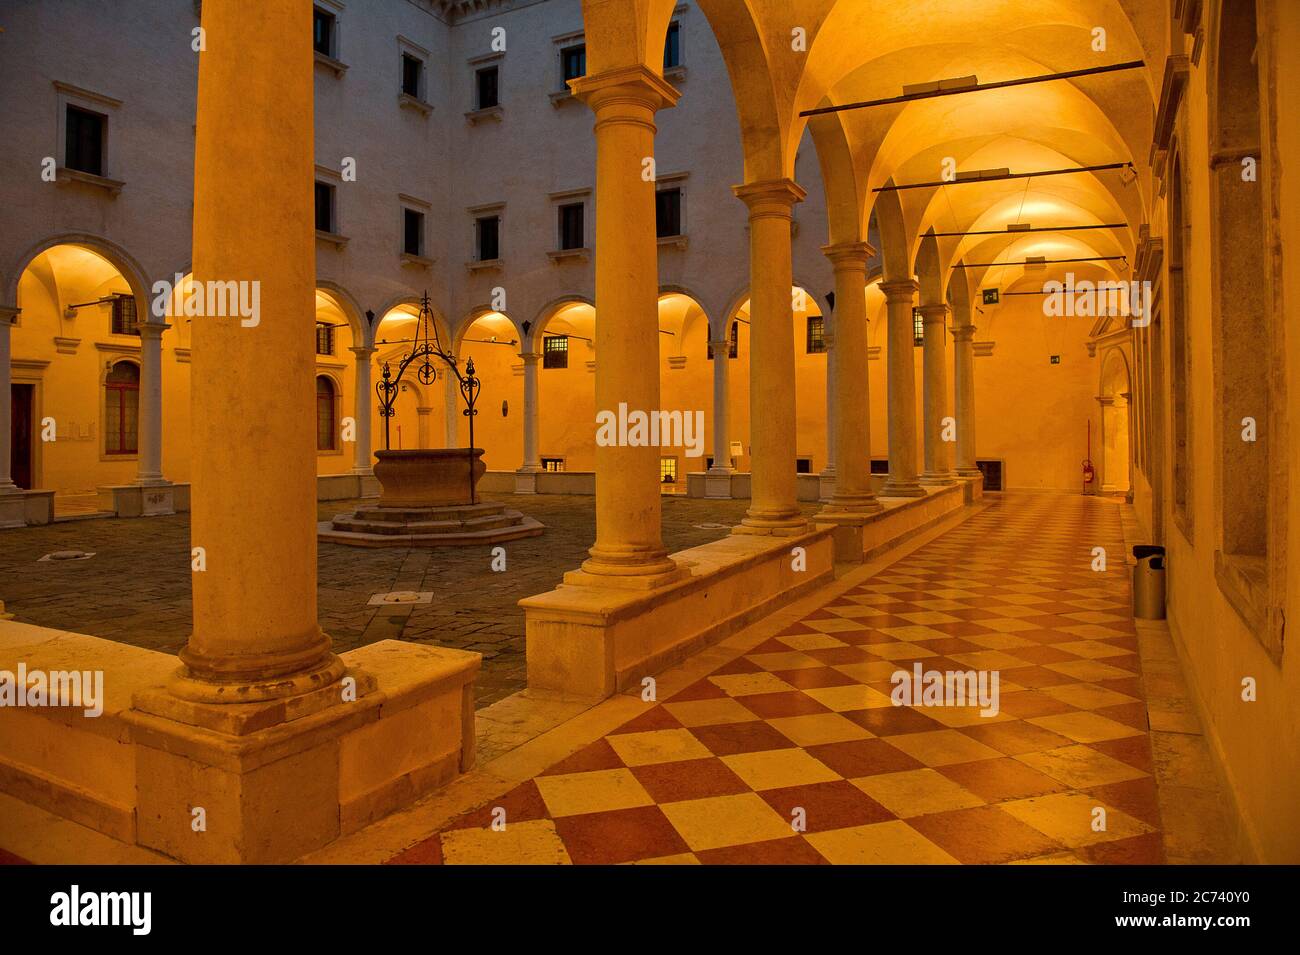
column 326, row 414
column 122, row 408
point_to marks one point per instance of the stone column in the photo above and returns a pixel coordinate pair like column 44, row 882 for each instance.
column 774, row 507
column 149, row 470
column 848, row 363
column 362, row 462
column 963, row 373
column 902, row 390
column 255, row 635
column 827, row 475
column 717, row 481
column 629, row 540
column 532, row 423
column 938, row 452
column 422, row 427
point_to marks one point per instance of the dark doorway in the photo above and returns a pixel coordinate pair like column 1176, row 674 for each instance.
column 21, row 435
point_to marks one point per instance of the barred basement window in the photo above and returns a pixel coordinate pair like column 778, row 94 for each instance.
column 555, row 351
column 552, row 464
column 816, row 334
column 668, row 470
column 803, row 465
column 918, row 328
column 125, row 321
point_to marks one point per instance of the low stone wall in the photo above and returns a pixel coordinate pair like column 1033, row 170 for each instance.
column 592, row 641
column 138, row 776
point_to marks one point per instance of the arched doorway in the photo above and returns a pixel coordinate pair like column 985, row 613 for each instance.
column 1113, row 396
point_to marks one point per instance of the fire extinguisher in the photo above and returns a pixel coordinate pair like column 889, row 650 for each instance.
column 1089, row 472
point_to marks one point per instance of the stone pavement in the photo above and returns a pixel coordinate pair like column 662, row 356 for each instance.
column 137, row 586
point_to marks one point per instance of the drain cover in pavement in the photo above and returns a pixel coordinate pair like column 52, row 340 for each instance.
column 400, row 597
column 711, row 527
column 69, row 555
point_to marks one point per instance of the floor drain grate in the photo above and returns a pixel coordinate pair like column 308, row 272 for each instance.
column 399, row 597
column 69, row 555
column 711, row 527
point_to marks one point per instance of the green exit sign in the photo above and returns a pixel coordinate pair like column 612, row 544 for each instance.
column 990, row 296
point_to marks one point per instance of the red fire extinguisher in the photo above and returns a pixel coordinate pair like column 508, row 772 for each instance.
column 1089, row 472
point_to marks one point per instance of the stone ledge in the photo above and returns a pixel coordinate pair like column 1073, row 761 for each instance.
column 861, row 538
column 591, row 642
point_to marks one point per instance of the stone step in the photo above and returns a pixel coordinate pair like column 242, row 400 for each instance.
column 346, row 522
column 522, row 526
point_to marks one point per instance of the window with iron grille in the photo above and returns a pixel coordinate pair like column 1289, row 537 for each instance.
column 324, row 207
column 412, row 232
column 326, row 414
column 122, row 409
column 322, row 31
column 555, row 351
column 673, row 46
column 486, row 85
column 412, row 75
column 324, row 338
column 84, row 141
column 124, row 315
column 573, row 62
column 734, row 341
column 552, row 464
column 918, row 328
column 816, row 334
column 668, row 470
column 572, row 231
column 668, row 212
column 488, row 237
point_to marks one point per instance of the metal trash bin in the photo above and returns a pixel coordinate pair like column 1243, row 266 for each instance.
column 1149, row 582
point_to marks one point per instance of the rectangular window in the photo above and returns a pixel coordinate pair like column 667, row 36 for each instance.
column 734, row 345
column 552, row 464
column 412, row 232
column 555, row 351
column 486, row 83
column 324, row 207
column 668, row 212
column 918, row 328
column 85, row 141
column 324, row 338
column 880, row 465
column 412, row 75
column 125, row 321
column 816, row 335
column 573, row 62
column 673, row 46
column 487, row 238
column 668, row 470
column 803, row 465
column 572, row 232
column 322, row 30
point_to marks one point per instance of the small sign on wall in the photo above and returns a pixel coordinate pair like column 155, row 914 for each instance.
column 990, row 296
column 1056, row 359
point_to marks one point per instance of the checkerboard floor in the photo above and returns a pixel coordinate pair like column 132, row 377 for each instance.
column 794, row 752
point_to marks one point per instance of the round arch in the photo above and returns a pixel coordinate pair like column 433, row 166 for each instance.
column 114, row 254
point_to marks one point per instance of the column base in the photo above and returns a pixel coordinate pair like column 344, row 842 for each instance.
column 902, row 489
column 153, row 497
column 969, row 472
column 651, row 579
column 717, row 482
column 773, row 525
column 526, row 479
column 937, row 478
column 13, row 507
column 848, row 507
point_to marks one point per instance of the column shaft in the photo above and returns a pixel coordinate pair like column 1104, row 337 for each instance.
column 451, row 406
column 774, row 507
column 362, row 462
column 938, row 452
column 902, row 391
column 149, row 468
column 852, row 396
column 722, row 404
column 422, row 427
column 7, row 316
column 963, row 373
column 253, row 444
column 832, row 401
column 629, row 541
column 532, row 423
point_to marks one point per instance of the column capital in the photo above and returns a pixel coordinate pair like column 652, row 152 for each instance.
column 933, row 314
column 636, row 86
column 770, row 197
column 363, row 352
column 850, row 256
column 530, row 357
column 899, row 292
column 9, row 315
column 152, row 329
column 963, row 333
